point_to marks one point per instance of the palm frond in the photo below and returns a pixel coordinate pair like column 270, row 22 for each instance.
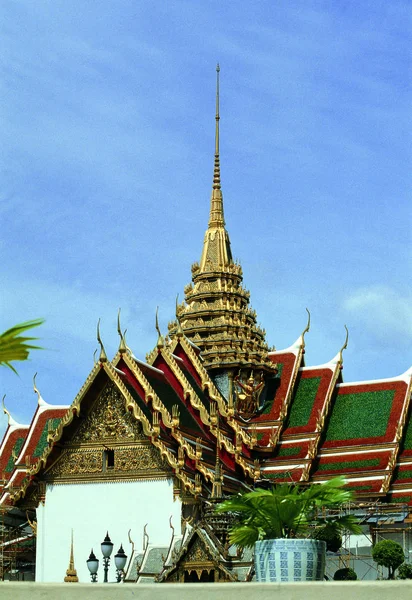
column 287, row 510
column 15, row 346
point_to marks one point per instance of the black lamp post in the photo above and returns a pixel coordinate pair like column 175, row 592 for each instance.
column 93, row 565
column 120, row 561
column 107, row 549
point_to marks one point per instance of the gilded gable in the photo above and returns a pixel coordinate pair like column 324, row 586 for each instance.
column 109, row 420
column 109, row 444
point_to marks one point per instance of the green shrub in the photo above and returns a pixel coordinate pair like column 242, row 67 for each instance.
column 405, row 571
column 345, row 574
column 389, row 554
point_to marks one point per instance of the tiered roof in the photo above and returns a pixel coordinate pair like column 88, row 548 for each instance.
column 216, row 314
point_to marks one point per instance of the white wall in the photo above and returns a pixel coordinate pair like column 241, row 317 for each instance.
column 315, row 590
column 92, row 509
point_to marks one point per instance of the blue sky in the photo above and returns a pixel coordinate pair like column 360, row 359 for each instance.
column 107, row 133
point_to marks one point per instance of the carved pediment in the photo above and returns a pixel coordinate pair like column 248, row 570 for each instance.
column 109, row 444
column 109, row 420
column 198, row 553
column 135, row 460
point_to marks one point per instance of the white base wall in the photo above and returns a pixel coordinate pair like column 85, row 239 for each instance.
column 316, row 590
column 91, row 509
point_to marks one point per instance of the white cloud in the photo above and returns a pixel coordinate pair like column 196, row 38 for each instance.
column 381, row 309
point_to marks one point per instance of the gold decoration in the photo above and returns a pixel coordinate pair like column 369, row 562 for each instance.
column 197, row 553
column 108, row 420
column 77, row 462
column 139, row 458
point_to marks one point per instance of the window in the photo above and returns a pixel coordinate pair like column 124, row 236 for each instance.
column 108, row 459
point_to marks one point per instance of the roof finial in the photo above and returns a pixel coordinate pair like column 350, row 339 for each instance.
column 122, row 345
column 103, row 356
column 307, row 326
column 345, row 345
column 145, row 537
column 216, row 177
column 216, row 209
column 10, row 419
column 160, row 340
column 36, row 391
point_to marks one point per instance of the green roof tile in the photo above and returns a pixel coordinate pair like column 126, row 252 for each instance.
column 42, row 443
column 360, row 415
column 303, row 401
column 16, row 451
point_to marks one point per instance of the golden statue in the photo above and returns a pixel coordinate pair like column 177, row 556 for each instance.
column 248, row 398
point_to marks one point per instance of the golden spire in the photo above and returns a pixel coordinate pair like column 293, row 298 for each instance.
column 71, row 573
column 216, row 205
column 216, row 174
column 216, row 253
column 216, row 315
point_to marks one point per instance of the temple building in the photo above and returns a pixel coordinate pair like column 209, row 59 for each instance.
column 147, row 447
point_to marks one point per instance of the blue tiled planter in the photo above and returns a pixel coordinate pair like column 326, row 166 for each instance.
column 290, row 560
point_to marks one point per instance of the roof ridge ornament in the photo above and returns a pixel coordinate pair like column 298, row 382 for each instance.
column 145, row 538
column 10, row 420
column 345, row 345
column 122, row 345
column 307, row 326
column 40, row 400
column 160, row 340
column 103, row 355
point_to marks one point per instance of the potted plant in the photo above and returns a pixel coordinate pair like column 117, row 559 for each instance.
column 281, row 524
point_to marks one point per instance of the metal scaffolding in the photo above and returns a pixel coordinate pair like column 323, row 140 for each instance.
column 17, row 545
column 378, row 521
